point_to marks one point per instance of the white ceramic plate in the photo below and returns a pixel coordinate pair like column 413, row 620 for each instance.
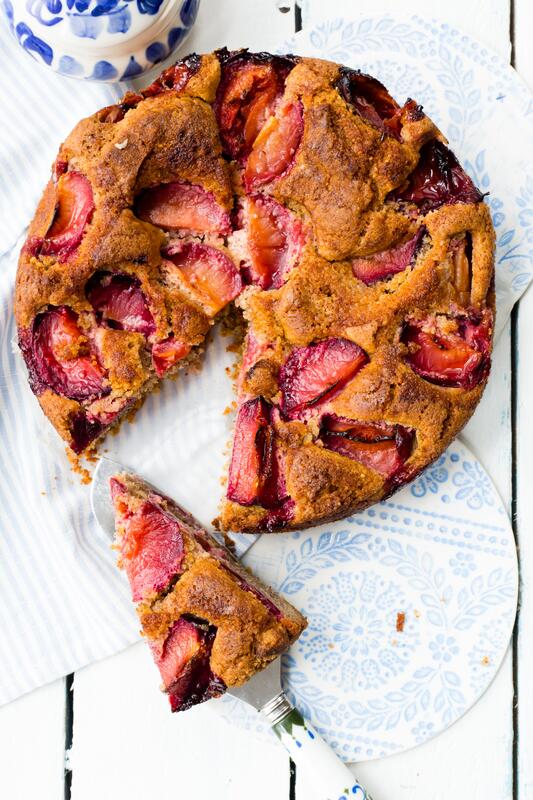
column 411, row 605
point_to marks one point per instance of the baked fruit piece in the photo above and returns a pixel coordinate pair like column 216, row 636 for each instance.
column 209, row 622
column 357, row 248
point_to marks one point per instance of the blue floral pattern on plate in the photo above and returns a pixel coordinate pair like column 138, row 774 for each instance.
column 410, row 605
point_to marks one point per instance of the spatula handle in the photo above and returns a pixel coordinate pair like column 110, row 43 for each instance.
column 327, row 773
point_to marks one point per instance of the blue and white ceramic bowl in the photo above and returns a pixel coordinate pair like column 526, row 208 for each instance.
column 100, row 40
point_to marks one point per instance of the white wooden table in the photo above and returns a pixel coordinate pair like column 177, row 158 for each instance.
column 121, row 740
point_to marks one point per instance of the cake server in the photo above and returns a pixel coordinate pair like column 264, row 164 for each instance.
column 330, row 777
column 326, row 773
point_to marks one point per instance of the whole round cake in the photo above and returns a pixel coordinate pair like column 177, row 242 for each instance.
column 335, row 224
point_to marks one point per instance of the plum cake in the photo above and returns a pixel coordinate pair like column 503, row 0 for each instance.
column 338, row 223
column 209, row 622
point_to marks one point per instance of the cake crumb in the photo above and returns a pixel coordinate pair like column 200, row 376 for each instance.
column 43, row 494
column 416, row 612
column 400, row 621
column 485, row 661
column 77, row 467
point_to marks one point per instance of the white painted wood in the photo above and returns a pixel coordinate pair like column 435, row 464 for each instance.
column 523, row 24
column 32, row 736
column 127, row 744
column 524, row 467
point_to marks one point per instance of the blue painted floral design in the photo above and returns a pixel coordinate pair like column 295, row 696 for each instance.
column 443, row 648
column 91, row 19
column 462, row 564
column 369, row 687
column 478, row 173
column 188, row 12
column 34, row 45
column 48, row 12
column 474, row 485
column 431, row 479
column 7, row 5
column 352, row 639
column 422, row 731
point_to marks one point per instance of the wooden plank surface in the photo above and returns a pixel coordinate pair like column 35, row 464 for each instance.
column 523, row 57
column 32, row 739
column 127, row 744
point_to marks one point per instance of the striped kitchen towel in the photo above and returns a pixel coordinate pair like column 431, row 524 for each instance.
column 60, row 604
column 63, row 603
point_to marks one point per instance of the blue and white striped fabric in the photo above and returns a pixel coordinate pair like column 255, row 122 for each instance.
column 61, row 605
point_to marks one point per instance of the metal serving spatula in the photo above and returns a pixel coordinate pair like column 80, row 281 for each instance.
column 329, row 776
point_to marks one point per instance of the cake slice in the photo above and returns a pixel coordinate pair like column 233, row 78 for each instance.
column 209, row 622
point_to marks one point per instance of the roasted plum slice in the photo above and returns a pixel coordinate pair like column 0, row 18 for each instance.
column 377, row 445
column 174, row 78
column 151, row 548
column 247, row 95
column 182, row 206
column 437, row 180
column 274, row 150
column 254, row 474
column 385, row 264
column 84, row 429
column 316, row 373
column 59, row 357
column 183, row 661
column 59, row 167
column 167, row 353
column 369, row 98
column 73, row 212
column 274, row 239
column 119, row 302
column 208, row 271
column 450, row 350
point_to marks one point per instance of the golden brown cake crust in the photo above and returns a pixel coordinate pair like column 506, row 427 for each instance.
column 349, row 190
